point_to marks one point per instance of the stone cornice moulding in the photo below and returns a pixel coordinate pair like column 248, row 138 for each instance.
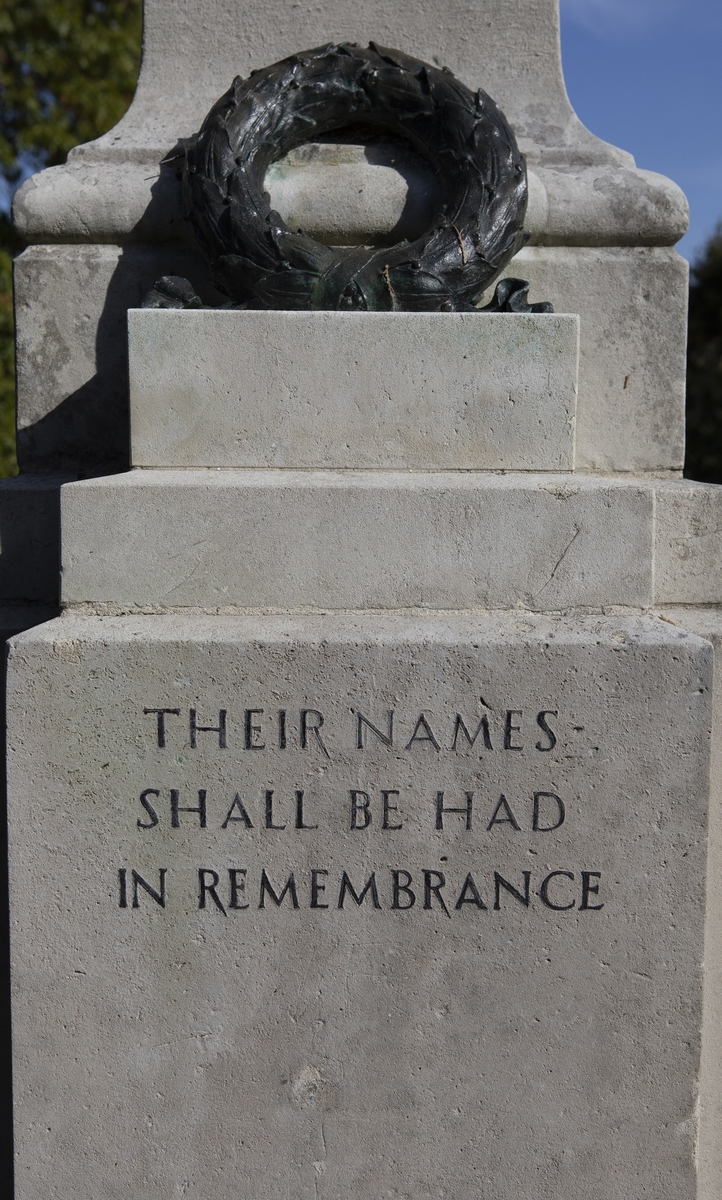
column 583, row 191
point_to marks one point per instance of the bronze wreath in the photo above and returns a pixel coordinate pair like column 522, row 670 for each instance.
column 258, row 261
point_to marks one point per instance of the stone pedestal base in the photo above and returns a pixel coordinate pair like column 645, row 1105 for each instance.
column 339, row 907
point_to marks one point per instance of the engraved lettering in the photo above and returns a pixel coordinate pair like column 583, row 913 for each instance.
column 560, row 815
column 386, row 738
column 267, row 889
column 389, row 808
column 209, row 889
column 509, row 819
column 317, row 887
column 544, row 726
column 544, row 890
column 426, row 736
column 434, row 889
column 269, row 811
column 440, row 809
column 360, row 807
column 220, row 728
column 307, row 727
column 162, row 713
column 138, row 881
column 500, row 882
column 236, row 885
column 510, row 728
column 299, row 813
column 242, row 814
column 469, row 894
column 482, row 728
column 400, row 887
column 154, row 818
column 590, row 889
column 253, row 731
column 176, row 808
column 368, row 888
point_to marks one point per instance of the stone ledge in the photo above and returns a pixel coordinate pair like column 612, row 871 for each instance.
column 318, row 629
column 30, row 539
column 110, row 190
column 317, row 540
column 688, row 560
column 72, row 302
column 426, row 391
column 600, row 205
column 357, row 539
column 707, row 623
column 18, row 618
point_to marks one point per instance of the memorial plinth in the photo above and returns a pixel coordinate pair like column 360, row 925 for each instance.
column 460, row 391
column 357, row 539
column 360, row 906
column 346, row 899
column 364, row 797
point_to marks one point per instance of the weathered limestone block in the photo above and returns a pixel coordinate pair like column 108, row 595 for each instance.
column 504, row 997
column 30, row 539
column 374, row 898
column 72, row 355
column 426, row 391
column 707, row 623
column 688, row 519
column 208, row 538
column 374, row 191
column 632, row 305
column 73, row 382
column 357, row 539
column 584, row 194
column 508, row 47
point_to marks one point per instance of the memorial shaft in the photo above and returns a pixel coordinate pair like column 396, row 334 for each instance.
column 363, row 713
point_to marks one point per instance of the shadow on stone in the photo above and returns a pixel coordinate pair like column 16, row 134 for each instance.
column 88, row 432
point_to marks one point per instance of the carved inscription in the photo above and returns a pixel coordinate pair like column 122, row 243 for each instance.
column 380, row 808
column 277, row 729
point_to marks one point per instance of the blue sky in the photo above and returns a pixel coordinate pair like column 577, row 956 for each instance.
column 647, row 76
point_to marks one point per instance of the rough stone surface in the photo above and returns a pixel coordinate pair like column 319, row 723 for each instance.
column 369, row 196
column 356, row 539
column 72, row 383
column 315, row 537
column 340, row 193
column 688, row 561
column 72, row 370
column 30, row 539
column 192, row 53
column 16, row 618
column 437, row 391
column 632, row 305
column 72, row 363
column 582, row 189
column 13, row 619
column 707, row 623
column 203, row 1048
column 486, row 1040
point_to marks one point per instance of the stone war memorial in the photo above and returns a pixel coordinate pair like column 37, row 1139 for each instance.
column 363, row 716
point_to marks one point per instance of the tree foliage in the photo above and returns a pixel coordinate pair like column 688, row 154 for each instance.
column 68, row 70
column 704, row 365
